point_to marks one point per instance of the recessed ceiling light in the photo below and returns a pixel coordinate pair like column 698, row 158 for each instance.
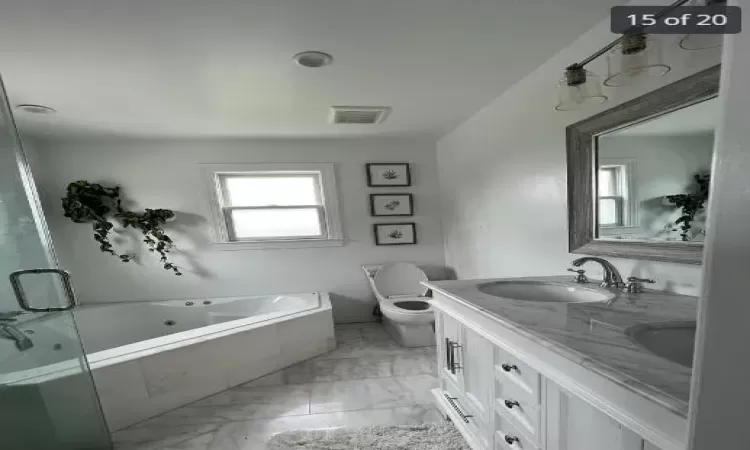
column 35, row 109
column 313, row 59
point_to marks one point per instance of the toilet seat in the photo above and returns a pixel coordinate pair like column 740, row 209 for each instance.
column 390, row 309
column 400, row 281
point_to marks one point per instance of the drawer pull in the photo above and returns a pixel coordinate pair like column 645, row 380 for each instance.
column 509, row 367
column 463, row 416
column 510, row 404
column 511, row 439
column 449, row 355
column 455, row 365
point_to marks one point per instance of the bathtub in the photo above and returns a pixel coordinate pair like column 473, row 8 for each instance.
column 147, row 358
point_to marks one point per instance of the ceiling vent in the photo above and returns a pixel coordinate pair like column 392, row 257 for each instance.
column 358, row 115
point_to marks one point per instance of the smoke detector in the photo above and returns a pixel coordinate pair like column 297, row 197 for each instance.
column 35, row 109
column 358, row 115
column 313, row 59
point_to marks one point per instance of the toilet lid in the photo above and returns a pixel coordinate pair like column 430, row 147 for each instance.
column 399, row 279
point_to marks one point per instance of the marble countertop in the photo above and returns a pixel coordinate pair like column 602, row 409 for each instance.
column 592, row 334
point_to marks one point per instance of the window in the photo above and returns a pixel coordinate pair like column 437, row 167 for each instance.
column 611, row 196
column 283, row 205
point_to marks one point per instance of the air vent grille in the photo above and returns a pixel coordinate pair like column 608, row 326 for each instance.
column 358, row 115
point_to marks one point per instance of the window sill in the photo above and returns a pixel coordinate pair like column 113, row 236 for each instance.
column 281, row 244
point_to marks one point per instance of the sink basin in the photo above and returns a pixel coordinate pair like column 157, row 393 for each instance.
column 674, row 341
column 540, row 291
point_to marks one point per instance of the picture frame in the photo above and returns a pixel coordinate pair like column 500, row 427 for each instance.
column 395, row 233
column 388, row 174
column 401, row 204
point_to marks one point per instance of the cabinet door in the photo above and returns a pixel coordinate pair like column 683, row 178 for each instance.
column 478, row 371
column 450, row 357
column 573, row 424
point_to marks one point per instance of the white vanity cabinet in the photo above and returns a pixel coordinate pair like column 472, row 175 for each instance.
column 573, row 424
column 465, row 379
column 499, row 401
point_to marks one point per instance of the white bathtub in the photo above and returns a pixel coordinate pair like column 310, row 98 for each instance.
column 148, row 358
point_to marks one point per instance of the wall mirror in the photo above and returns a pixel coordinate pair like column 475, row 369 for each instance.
column 639, row 174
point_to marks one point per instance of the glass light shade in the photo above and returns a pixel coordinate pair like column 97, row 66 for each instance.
column 634, row 57
column 579, row 88
column 703, row 41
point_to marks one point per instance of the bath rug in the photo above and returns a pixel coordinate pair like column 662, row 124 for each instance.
column 409, row 437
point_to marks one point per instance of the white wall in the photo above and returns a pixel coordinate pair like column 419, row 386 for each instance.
column 721, row 393
column 166, row 174
column 503, row 174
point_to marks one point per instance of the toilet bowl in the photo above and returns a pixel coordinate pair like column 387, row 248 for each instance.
column 407, row 314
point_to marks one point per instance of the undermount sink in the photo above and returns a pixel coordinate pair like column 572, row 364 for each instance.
column 674, row 341
column 540, row 291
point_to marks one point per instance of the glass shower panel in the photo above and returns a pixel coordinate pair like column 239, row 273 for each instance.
column 47, row 396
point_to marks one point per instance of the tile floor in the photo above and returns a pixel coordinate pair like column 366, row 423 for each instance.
column 367, row 380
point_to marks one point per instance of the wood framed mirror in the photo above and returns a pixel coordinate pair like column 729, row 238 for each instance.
column 639, row 174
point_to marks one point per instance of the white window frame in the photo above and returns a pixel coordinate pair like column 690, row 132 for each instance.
column 332, row 232
column 620, row 197
column 629, row 207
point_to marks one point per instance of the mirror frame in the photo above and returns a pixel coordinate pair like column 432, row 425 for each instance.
column 581, row 139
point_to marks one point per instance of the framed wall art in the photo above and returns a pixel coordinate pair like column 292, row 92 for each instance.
column 388, row 174
column 395, row 233
column 391, row 205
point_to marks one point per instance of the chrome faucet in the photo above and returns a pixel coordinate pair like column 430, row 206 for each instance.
column 10, row 331
column 612, row 278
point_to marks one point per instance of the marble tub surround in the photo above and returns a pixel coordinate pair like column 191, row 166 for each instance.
column 367, row 380
column 592, row 334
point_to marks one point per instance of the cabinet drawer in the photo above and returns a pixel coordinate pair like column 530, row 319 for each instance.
column 507, row 437
column 514, row 402
column 509, row 369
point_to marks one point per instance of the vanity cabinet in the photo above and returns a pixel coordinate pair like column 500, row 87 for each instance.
column 573, row 424
column 501, row 402
column 465, row 378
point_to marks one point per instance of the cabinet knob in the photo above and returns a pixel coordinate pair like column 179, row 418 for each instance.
column 509, row 367
column 511, row 403
column 511, row 439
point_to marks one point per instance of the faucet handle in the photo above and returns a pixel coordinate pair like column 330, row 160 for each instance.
column 634, row 284
column 580, row 278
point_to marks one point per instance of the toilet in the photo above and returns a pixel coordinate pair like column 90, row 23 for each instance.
column 407, row 313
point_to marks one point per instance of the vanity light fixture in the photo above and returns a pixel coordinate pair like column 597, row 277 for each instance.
column 635, row 55
column 578, row 88
column 629, row 56
column 703, row 41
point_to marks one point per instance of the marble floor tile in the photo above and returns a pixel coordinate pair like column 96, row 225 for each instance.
column 358, row 349
column 370, row 393
column 151, row 435
column 348, row 332
column 419, row 387
column 368, row 379
column 368, row 331
column 243, row 403
column 414, row 364
column 352, row 368
column 374, row 332
column 297, row 374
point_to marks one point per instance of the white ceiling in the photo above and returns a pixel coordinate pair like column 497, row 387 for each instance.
column 223, row 67
column 700, row 118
